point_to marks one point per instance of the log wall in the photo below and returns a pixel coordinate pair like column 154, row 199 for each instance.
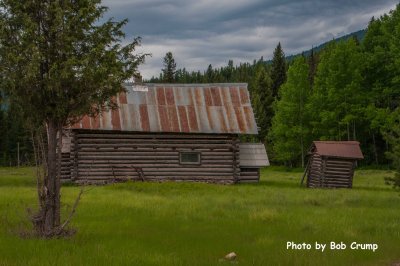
column 330, row 172
column 249, row 175
column 100, row 157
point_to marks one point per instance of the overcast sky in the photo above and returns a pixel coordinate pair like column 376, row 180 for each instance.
column 202, row 32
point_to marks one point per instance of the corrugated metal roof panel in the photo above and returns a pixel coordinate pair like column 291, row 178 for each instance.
column 342, row 149
column 253, row 155
column 190, row 108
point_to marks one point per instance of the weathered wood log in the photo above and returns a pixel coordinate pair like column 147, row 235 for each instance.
column 110, row 155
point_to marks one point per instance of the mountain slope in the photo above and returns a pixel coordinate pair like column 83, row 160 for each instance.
column 358, row 34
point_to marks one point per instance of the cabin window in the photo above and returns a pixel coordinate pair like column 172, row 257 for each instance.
column 189, row 157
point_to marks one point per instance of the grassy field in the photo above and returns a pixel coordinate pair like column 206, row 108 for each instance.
column 197, row 224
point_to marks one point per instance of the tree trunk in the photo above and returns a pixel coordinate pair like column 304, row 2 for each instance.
column 375, row 150
column 58, row 178
column 52, row 188
column 302, row 152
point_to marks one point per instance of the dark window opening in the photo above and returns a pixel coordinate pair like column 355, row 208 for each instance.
column 189, row 157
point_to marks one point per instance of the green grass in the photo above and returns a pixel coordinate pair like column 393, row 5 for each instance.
column 197, row 224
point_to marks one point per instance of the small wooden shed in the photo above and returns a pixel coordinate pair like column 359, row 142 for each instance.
column 331, row 163
column 181, row 132
column 252, row 157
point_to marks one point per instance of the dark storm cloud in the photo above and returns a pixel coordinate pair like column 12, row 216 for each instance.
column 200, row 32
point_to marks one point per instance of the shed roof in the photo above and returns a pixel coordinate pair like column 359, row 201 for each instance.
column 343, row 149
column 253, row 155
column 186, row 108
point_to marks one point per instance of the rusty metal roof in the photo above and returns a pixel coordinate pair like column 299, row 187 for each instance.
column 341, row 149
column 253, row 155
column 186, row 108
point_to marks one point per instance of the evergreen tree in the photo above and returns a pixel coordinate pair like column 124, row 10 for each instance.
column 290, row 132
column 392, row 135
column 262, row 100
column 169, row 69
column 312, row 63
column 3, row 132
column 229, row 76
column 209, row 75
column 58, row 63
column 278, row 70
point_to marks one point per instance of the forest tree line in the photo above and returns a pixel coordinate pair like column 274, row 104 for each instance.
column 350, row 90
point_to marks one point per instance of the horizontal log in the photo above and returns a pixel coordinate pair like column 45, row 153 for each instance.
column 325, row 184
column 127, row 157
column 330, row 178
column 155, row 159
column 129, row 153
column 130, row 164
column 334, row 179
column 339, row 168
column 120, row 148
column 337, row 176
column 146, row 140
column 155, row 136
column 156, row 172
column 147, row 161
column 248, row 173
column 339, row 162
column 156, row 145
column 315, row 186
column 316, row 163
column 127, row 161
column 218, row 160
column 339, row 165
column 338, row 173
column 315, row 173
column 150, row 141
column 248, row 177
column 118, row 152
column 156, row 169
column 161, row 178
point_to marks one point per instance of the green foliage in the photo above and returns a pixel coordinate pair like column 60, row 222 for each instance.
column 278, row 69
column 381, row 47
column 14, row 135
column 337, row 101
column 262, row 99
column 169, row 69
column 354, row 93
column 243, row 72
column 57, row 61
column 313, row 60
column 382, row 53
column 392, row 135
column 290, row 132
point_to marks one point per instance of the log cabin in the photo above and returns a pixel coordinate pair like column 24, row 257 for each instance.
column 331, row 163
column 180, row 132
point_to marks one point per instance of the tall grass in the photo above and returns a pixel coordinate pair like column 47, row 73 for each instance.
column 197, row 224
